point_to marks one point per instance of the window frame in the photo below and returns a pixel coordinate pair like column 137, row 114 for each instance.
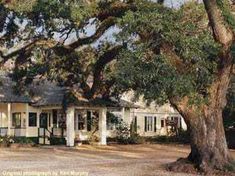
column 149, row 123
column 35, row 123
column 80, row 120
column 14, row 118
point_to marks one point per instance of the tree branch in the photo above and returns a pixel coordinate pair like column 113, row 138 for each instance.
column 104, row 26
column 222, row 33
column 106, row 58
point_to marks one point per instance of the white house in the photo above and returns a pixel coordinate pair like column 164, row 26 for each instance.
column 45, row 110
column 150, row 120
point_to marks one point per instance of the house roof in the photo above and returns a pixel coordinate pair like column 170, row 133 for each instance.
column 46, row 93
column 8, row 92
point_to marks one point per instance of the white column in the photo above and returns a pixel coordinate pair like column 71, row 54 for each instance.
column 27, row 119
column 123, row 113
column 9, row 119
column 38, row 118
column 102, row 126
column 70, row 126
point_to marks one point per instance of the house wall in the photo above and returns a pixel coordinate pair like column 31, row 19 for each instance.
column 3, row 115
column 152, row 110
column 127, row 114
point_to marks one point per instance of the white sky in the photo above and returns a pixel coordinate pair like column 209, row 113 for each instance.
column 108, row 36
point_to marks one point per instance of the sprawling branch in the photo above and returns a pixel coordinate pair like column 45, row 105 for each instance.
column 104, row 26
column 173, row 59
column 106, row 58
column 116, row 9
column 25, row 47
column 222, row 33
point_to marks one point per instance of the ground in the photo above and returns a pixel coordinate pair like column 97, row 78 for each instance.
column 115, row 160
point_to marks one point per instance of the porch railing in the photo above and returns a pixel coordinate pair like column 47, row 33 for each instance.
column 18, row 131
column 44, row 134
column 3, row 131
column 59, row 132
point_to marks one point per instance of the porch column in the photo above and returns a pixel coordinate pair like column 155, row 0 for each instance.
column 102, row 126
column 9, row 119
column 27, row 119
column 70, row 126
column 123, row 113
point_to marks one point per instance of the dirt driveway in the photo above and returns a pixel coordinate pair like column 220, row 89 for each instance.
column 116, row 160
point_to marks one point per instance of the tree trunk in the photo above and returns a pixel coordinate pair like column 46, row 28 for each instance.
column 209, row 148
column 208, row 143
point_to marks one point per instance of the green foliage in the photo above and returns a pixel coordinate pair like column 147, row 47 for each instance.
column 6, row 141
column 57, row 141
column 25, row 140
column 182, row 138
column 225, row 7
column 229, row 110
column 124, row 133
column 147, row 66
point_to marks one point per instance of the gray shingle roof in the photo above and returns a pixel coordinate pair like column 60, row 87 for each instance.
column 45, row 93
column 8, row 93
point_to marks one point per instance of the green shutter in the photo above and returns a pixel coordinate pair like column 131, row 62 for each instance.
column 89, row 121
column 155, row 124
column 145, row 124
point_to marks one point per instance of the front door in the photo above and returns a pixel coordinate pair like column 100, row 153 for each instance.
column 43, row 120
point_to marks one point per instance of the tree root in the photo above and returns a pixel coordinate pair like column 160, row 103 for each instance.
column 183, row 165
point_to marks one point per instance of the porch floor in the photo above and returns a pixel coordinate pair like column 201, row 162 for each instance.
column 116, row 160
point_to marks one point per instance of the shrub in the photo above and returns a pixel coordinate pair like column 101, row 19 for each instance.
column 57, row 141
column 126, row 136
column 182, row 138
column 6, row 141
column 25, row 140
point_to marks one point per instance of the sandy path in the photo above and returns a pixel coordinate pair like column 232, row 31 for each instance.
column 116, row 160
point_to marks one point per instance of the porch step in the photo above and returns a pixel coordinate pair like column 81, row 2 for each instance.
column 43, row 141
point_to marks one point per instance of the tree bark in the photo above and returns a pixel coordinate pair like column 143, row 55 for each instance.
column 209, row 150
column 208, row 143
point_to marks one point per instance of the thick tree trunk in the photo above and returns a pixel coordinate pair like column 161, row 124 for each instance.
column 208, row 143
column 209, row 150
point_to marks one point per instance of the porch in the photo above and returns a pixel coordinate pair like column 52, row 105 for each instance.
column 17, row 120
column 76, row 124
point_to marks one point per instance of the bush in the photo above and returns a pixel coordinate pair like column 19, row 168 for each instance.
column 6, row 141
column 182, row 138
column 133, row 139
column 57, row 141
column 125, row 136
column 25, row 140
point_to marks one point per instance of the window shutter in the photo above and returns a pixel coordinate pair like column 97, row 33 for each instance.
column 89, row 121
column 135, row 123
column 155, row 124
column 145, row 124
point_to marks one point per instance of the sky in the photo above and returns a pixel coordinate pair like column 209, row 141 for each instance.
column 108, row 35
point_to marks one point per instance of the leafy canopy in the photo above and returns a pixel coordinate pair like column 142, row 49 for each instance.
column 171, row 53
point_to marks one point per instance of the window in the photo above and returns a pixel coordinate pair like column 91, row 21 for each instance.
column 112, row 120
column 162, row 123
column 110, row 125
column 32, row 119
column 81, row 122
column 148, row 123
column 16, row 120
column 54, row 117
column 89, row 120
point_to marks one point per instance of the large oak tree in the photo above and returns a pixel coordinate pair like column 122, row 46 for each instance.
column 184, row 56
